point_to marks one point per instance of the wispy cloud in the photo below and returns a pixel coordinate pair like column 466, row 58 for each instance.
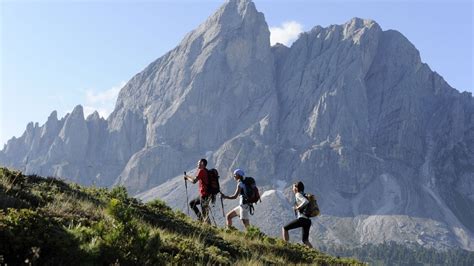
column 103, row 97
column 286, row 33
column 101, row 101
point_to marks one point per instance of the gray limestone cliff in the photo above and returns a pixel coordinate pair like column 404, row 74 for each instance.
column 351, row 110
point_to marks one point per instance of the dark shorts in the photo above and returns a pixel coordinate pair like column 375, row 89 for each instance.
column 305, row 223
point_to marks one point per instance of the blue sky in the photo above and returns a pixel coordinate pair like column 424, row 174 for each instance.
column 57, row 54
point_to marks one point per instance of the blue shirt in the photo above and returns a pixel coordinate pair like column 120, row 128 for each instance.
column 242, row 191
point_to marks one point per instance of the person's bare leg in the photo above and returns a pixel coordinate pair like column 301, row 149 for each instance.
column 246, row 223
column 229, row 217
column 284, row 234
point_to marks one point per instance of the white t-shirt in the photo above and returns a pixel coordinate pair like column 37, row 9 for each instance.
column 300, row 199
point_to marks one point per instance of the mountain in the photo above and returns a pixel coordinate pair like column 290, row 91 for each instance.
column 351, row 110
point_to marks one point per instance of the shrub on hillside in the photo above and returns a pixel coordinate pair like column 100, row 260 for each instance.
column 31, row 237
column 119, row 192
column 120, row 238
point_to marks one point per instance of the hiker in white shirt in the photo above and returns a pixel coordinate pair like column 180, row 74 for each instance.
column 302, row 220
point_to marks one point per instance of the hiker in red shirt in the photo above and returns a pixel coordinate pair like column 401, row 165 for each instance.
column 203, row 198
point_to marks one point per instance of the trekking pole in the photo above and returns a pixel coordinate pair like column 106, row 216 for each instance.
column 186, row 186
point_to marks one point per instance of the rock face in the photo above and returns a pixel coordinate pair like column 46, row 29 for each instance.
column 217, row 83
column 385, row 142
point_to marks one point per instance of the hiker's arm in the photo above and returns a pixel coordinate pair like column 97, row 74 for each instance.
column 236, row 194
column 190, row 178
column 303, row 203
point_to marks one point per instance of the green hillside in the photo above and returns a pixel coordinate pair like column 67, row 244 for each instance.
column 47, row 221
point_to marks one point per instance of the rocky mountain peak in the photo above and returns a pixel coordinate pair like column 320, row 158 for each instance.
column 74, row 125
column 30, row 126
column 358, row 23
column 235, row 39
column 241, row 8
column 77, row 112
column 53, row 116
column 234, row 15
column 93, row 117
column 50, row 128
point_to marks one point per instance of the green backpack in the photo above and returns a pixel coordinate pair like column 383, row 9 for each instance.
column 312, row 209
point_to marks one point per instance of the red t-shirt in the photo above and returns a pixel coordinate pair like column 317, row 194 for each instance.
column 202, row 178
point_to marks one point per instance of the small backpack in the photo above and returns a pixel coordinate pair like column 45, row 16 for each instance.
column 250, row 193
column 212, row 186
column 312, row 208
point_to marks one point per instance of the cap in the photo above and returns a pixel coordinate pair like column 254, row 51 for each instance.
column 239, row 172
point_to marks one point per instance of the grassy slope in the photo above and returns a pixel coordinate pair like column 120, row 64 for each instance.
column 47, row 221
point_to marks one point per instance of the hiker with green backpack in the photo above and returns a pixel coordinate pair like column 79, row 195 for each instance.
column 248, row 194
column 305, row 207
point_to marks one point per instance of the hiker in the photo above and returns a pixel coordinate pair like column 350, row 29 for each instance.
column 302, row 219
column 243, row 209
column 204, row 197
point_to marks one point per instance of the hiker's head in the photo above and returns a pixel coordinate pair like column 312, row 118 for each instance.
column 239, row 174
column 202, row 163
column 298, row 187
